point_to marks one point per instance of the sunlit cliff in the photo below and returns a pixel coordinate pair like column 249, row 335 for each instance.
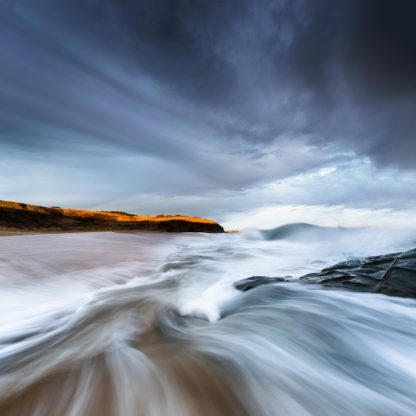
column 20, row 216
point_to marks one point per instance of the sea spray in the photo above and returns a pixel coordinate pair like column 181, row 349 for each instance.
column 155, row 327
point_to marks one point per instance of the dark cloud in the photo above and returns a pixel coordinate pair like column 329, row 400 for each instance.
column 222, row 94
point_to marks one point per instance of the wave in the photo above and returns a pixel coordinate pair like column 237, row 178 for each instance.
column 296, row 231
column 286, row 351
column 165, row 333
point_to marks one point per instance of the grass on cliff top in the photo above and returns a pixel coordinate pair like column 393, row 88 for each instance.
column 105, row 215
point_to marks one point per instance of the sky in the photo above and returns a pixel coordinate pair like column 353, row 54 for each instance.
column 254, row 113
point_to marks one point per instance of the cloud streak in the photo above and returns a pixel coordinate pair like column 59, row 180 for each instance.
column 202, row 99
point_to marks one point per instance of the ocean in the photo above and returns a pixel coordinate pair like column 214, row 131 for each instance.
column 151, row 324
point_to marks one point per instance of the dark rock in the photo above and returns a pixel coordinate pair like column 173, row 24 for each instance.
column 392, row 274
column 361, row 274
column 254, row 281
column 400, row 277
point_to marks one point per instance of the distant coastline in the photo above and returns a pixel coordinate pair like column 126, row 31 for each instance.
column 17, row 217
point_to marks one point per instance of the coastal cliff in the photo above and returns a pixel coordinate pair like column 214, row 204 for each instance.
column 16, row 216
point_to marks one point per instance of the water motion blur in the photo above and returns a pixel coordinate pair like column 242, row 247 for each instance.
column 151, row 324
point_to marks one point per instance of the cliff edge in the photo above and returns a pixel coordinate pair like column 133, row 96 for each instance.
column 16, row 216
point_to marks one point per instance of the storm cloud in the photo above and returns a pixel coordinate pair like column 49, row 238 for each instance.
column 207, row 107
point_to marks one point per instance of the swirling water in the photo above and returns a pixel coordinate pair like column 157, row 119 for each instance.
column 150, row 324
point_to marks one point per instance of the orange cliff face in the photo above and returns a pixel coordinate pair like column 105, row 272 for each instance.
column 20, row 216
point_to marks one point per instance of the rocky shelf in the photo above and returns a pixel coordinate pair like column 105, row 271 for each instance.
column 392, row 274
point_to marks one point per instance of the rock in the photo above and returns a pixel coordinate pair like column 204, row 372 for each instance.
column 365, row 274
column 254, row 281
column 392, row 274
column 400, row 277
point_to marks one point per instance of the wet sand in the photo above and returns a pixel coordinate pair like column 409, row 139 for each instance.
column 9, row 233
column 16, row 233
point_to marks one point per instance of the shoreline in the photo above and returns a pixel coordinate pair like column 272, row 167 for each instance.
column 13, row 233
column 16, row 233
